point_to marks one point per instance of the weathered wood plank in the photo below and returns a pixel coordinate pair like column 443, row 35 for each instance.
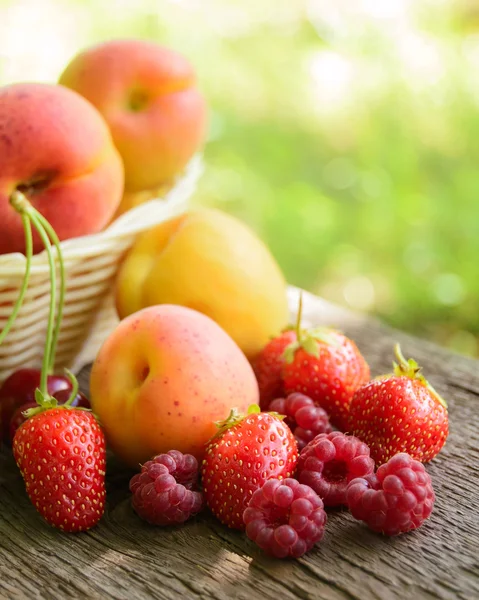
column 124, row 558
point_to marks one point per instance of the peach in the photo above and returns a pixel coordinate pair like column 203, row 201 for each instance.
column 148, row 96
column 56, row 148
column 212, row 262
column 161, row 380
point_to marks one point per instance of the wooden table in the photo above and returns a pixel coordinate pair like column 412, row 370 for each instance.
column 125, row 558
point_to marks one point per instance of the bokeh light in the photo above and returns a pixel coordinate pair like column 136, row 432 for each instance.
column 345, row 133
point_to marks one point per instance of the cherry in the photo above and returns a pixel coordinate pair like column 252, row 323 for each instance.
column 18, row 418
column 19, row 389
column 62, row 395
column 80, row 400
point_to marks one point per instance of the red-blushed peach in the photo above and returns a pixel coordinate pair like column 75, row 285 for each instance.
column 56, row 148
column 148, row 96
column 161, row 380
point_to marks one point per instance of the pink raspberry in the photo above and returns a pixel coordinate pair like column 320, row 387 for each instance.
column 397, row 499
column 305, row 419
column 330, row 462
column 163, row 492
column 285, row 518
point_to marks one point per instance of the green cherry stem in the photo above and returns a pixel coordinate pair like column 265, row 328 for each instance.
column 31, row 217
column 51, row 313
column 26, row 278
column 75, row 386
column 61, row 298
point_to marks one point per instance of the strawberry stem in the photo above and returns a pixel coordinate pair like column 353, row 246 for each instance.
column 410, row 368
column 299, row 317
column 27, row 227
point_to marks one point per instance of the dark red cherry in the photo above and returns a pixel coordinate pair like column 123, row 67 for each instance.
column 19, row 388
column 80, row 401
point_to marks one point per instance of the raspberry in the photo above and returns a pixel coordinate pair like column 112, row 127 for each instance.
column 330, row 462
column 285, row 518
column 305, row 419
column 397, row 499
column 163, row 491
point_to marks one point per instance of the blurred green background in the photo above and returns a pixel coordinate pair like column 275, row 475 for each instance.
column 345, row 133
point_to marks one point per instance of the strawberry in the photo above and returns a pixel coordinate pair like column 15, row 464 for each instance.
column 400, row 412
column 61, row 455
column 244, row 453
column 326, row 366
column 268, row 367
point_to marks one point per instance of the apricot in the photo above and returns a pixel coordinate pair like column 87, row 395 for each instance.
column 56, row 148
column 148, row 96
column 212, row 262
column 161, row 380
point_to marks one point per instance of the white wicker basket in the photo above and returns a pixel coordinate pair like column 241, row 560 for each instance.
column 91, row 264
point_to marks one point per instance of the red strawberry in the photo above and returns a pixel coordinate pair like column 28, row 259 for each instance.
column 326, row 366
column 400, row 413
column 245, row 452
column 268, row 367
column 61, row 455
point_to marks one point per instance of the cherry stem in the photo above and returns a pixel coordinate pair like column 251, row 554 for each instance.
column 51, row 313
column 30, row 216
column 75, row 386
column 26, row 278
column 61, row 299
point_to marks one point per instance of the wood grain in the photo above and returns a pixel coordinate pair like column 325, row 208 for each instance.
column 124, row 558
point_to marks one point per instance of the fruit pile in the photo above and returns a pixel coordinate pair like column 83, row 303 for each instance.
column 202, row 386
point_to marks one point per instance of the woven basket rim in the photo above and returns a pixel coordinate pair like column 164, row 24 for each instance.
column 134, row 220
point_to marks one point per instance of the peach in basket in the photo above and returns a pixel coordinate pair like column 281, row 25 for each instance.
column 56, row 149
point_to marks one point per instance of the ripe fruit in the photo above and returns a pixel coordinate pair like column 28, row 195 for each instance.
column 148, row 96
column 211, row 262
column 305, row 420
column 164, row 493
column 61, row 455
column 57, row 150
column 18, row 418
column 399, row 498
column 400, row 413
column 161, row 380
column 268, row 368
column 19, row 389
column 245, row 453
column 285, row 518
column 330, row 462
column 326, row 366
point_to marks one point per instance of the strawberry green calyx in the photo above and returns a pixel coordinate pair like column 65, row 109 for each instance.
column 231, row 420
column 235, row 417
column 46, row 401
column 308, row 339
column 410, row 368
